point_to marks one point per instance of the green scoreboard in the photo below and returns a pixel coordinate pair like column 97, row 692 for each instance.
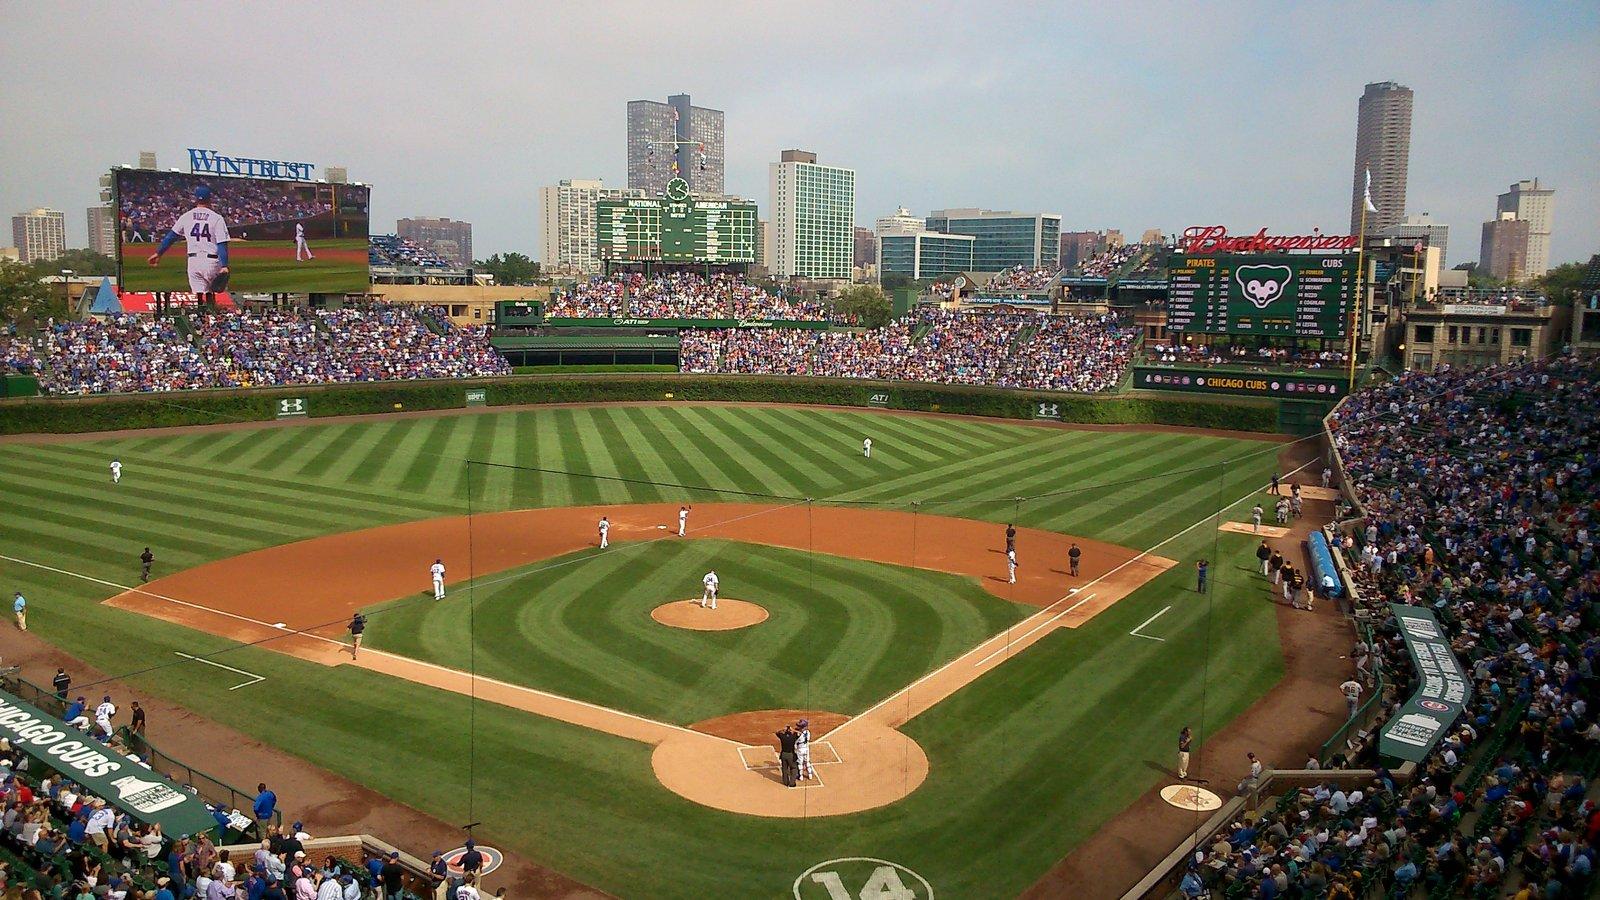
column 677, row 228
column 1288, row 294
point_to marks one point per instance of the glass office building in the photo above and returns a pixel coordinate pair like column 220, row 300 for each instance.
column 812, row 229
column 1004, row 239
column 925, row 254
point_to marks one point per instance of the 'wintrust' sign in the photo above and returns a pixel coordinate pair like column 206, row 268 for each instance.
column 210, row 162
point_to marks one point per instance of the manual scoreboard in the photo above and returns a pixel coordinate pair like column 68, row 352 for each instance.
column 1283, row 294
column 676, row 228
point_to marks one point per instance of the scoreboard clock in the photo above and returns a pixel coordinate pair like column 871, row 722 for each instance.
column 676, row 228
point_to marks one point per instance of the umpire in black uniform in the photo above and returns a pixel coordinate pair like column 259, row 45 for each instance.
column 788, row 762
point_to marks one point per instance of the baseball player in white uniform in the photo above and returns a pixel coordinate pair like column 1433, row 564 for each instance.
column 866, row 447
column 605, row 533
column 708, row 597
column 437, row 571
column 1011, row 565
column 802, row 749
column 683, row 520
column 116, row 471
column 103, row 714
column 1255, row 518
column 300, row 245
column 205, row 235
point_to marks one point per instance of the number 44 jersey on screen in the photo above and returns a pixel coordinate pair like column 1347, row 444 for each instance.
column 200, row 233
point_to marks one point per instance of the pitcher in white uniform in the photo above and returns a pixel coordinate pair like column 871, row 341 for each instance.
column 708, row 597
column 205, row 235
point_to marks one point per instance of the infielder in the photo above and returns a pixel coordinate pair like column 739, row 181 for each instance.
column 116, row 471
column 683, row 520
column 1011, row 565
column 866, row 447
column 300, row 245
column 146, row 560
column 708, row 597
column 205, row 235
column 437, row 571
column 802, row 749
column 605, row 533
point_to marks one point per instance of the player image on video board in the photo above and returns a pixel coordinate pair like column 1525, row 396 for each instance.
column 203, row 233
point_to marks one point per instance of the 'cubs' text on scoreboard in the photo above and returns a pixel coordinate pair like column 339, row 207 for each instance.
column 1278, row 294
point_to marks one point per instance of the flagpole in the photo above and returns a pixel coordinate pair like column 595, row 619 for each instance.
column 1361, row 288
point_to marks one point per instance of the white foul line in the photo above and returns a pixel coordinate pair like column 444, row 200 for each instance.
column 1006, row 634
column 1141, row 625
column 258, row 678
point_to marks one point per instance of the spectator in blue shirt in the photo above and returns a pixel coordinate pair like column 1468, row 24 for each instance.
column 1192, row 886
column 164, row 889
column 79, row 829
column 266, row 803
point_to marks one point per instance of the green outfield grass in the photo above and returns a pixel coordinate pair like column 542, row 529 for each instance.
column 261, row 266
column 841, row 633
column 1026, row 762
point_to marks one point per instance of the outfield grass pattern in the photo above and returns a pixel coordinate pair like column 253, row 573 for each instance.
column 1019, row 759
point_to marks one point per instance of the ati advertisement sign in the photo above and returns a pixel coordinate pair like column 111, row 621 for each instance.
column 1442, row 693
column 1244, row 384
column 683, row 323
column 103, row 772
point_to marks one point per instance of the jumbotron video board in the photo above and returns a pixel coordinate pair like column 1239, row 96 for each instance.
column 676, row 228
column 274, row 235
column 1283, row 294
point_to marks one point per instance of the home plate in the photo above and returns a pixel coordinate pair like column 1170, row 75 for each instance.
column 1187, row 796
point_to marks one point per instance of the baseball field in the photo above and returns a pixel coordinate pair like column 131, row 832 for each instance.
column 970, row 729
column 340, row 264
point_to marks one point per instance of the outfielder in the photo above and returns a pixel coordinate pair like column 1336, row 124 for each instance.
column 708, row 597
column 683, row 520
column 866, row 447
column 802, row 750
column 605, row 533
column 205, row 234
column 300, row 245
column 116, row 471
column 437, row 571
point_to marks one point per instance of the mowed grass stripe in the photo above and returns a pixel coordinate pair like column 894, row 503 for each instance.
column 684, row 472
column 370, row 457
column 769, row 448
column 899, row 451
column 581, row 486
column 834, row 450
column 602, row 455
column 827, row 466
column 758, row 458
column 425, row 460
column 942, row 438
column 625, row 452
column 222, row 448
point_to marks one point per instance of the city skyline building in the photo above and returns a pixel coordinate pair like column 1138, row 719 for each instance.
column 447, row 238
column 102, row 222
column 925, row 254
column 1383, row 147
column 568, row 239
column 1503, row 252
column 1005, row 238
column 812, row 216
column 39, row 234
column 675, row 139
column 1535, row 205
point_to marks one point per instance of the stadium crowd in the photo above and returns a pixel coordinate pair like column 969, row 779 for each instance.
column 244, row 348
column 1021, row 279
column 1103, row 264
column 390, row 250
column 940, row 346
column 679, row 295
column 1247, row 357
column 1481, row 491
column 146, row 213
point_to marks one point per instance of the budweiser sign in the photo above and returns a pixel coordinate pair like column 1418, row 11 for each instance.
column 1216, row 239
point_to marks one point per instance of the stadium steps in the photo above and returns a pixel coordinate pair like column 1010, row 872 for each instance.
column 1131, row 265
column 1024, row 334
column 185, row 327
column 432, row 322
column 919, row 333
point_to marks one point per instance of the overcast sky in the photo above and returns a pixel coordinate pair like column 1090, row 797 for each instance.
column 1113, row 115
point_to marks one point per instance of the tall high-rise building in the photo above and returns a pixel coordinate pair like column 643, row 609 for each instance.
column 567, row 213
column 1005, row 239
column 103, row 230
column 444, row 237
column 813, row 217
column 1078, row 246
column 1383, row 145
column 39, row 234
column 763, row 251
column 1532, row 204
column 1421, row 228
column 902, row 222
column 866, row 252
column 675, row 139
column 1504, row 250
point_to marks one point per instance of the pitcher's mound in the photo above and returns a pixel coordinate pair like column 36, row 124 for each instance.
column 728, row 615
